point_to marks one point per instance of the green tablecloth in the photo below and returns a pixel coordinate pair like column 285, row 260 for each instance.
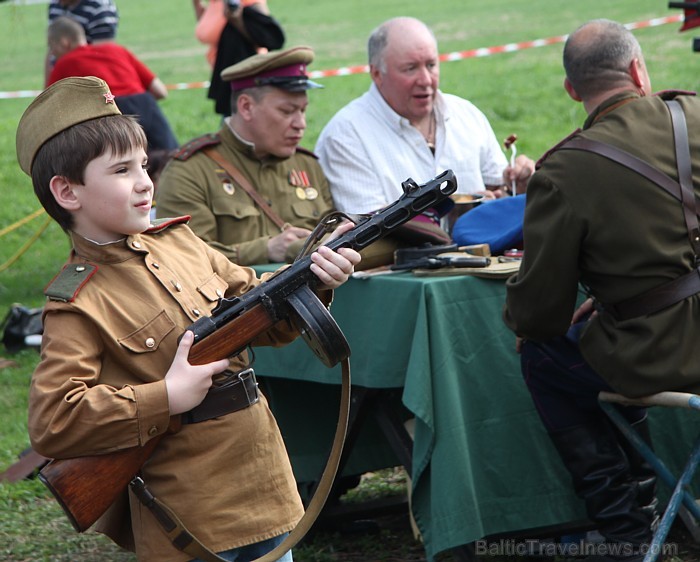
column 482, row 462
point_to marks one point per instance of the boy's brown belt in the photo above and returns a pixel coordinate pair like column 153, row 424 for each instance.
column 238, row 392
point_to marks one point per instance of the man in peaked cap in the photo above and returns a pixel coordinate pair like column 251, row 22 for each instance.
column 259, row 147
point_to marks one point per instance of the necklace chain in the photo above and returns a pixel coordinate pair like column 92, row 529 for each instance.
column 431, row 132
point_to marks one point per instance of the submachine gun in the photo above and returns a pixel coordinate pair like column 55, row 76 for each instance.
column 86, row 486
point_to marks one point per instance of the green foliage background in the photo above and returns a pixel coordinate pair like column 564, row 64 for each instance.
column 519, row 91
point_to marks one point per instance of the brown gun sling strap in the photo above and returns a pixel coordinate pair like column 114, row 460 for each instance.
column 238, row 177
column 679, row 289
column 186, row 542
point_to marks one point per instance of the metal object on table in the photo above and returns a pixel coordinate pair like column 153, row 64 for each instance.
column 463, row 203
column 436, row 262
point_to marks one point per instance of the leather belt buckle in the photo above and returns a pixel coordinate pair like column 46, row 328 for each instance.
column 250, row 385
column 238, row 392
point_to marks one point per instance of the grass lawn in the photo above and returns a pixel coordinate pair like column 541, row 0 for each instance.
column 520, row 92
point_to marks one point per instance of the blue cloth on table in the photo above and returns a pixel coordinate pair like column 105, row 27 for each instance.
column 498, row 223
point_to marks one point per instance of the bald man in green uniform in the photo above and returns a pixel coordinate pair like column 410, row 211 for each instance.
column 612, row 210
column 261, row 140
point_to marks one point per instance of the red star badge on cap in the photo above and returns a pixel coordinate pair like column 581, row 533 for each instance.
column 109, row 97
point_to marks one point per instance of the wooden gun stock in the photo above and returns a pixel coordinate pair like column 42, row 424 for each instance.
column 85, row 487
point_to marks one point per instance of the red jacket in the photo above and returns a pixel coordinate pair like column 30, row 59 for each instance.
column 116, row 65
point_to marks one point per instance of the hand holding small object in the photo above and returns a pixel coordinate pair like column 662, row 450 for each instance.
column 510, row 143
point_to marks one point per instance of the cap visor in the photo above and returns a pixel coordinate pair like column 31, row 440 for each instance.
column 299, row 85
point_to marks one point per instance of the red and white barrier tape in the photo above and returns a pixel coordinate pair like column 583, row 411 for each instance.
column 447, row 57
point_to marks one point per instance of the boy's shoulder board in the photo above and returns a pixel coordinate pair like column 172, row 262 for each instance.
column 195, row 145
column 161, row 224
column 68, row 283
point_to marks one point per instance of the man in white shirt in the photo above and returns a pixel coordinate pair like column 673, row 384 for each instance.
column 404, row 126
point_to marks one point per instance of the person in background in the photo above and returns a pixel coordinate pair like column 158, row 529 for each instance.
column 593, row 222
column 99, row 19
column 404, row 126
column 260, row 141
column 135, row 87
column 249, row 30
column 114, row 367
column 210, row 23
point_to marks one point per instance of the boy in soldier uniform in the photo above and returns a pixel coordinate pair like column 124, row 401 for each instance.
column 112, row 372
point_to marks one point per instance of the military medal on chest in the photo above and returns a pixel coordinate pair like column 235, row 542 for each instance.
column 300, row 180
column 226, row 183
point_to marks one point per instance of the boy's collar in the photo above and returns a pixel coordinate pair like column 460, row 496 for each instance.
column 114, row 252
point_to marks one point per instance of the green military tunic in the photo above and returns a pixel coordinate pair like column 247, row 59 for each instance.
column 223, row 214
column 593, row 221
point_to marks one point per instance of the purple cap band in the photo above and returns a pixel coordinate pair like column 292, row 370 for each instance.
column 295, row 70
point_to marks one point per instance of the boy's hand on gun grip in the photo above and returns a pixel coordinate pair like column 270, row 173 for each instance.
column 187, row 384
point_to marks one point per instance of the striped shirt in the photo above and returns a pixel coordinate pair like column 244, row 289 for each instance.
column 99, row 18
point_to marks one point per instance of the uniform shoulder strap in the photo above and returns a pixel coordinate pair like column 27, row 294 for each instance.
column 556, row 147
column 161, row 224
column 307, row 152
column 68, row 283
column 195, row 145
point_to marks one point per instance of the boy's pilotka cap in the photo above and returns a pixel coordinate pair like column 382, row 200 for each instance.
column 282, row 69
column 63, row 104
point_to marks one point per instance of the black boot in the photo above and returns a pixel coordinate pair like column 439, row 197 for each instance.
column 601, row 476
column 642, row 471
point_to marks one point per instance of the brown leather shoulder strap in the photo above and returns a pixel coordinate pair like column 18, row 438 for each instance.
column 682, row 190
column 625, row 159
column 237, row 176
column 685, row 173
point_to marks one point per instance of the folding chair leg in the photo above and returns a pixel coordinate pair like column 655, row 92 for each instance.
column 679, row 492
column 657, row 464
column 691, row 524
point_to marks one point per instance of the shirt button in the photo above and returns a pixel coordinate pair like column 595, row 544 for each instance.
column 80, row 268
column 219, row 293
column 156, row 265
column 136, row 244
column 196, row 312
column 150, row 342
column 177, row 286
column 152, row 430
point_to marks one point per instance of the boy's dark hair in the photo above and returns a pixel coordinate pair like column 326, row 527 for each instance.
column 69, row 152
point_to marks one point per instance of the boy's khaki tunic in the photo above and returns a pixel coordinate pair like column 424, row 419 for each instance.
column 99, row 387
column 223, row 214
